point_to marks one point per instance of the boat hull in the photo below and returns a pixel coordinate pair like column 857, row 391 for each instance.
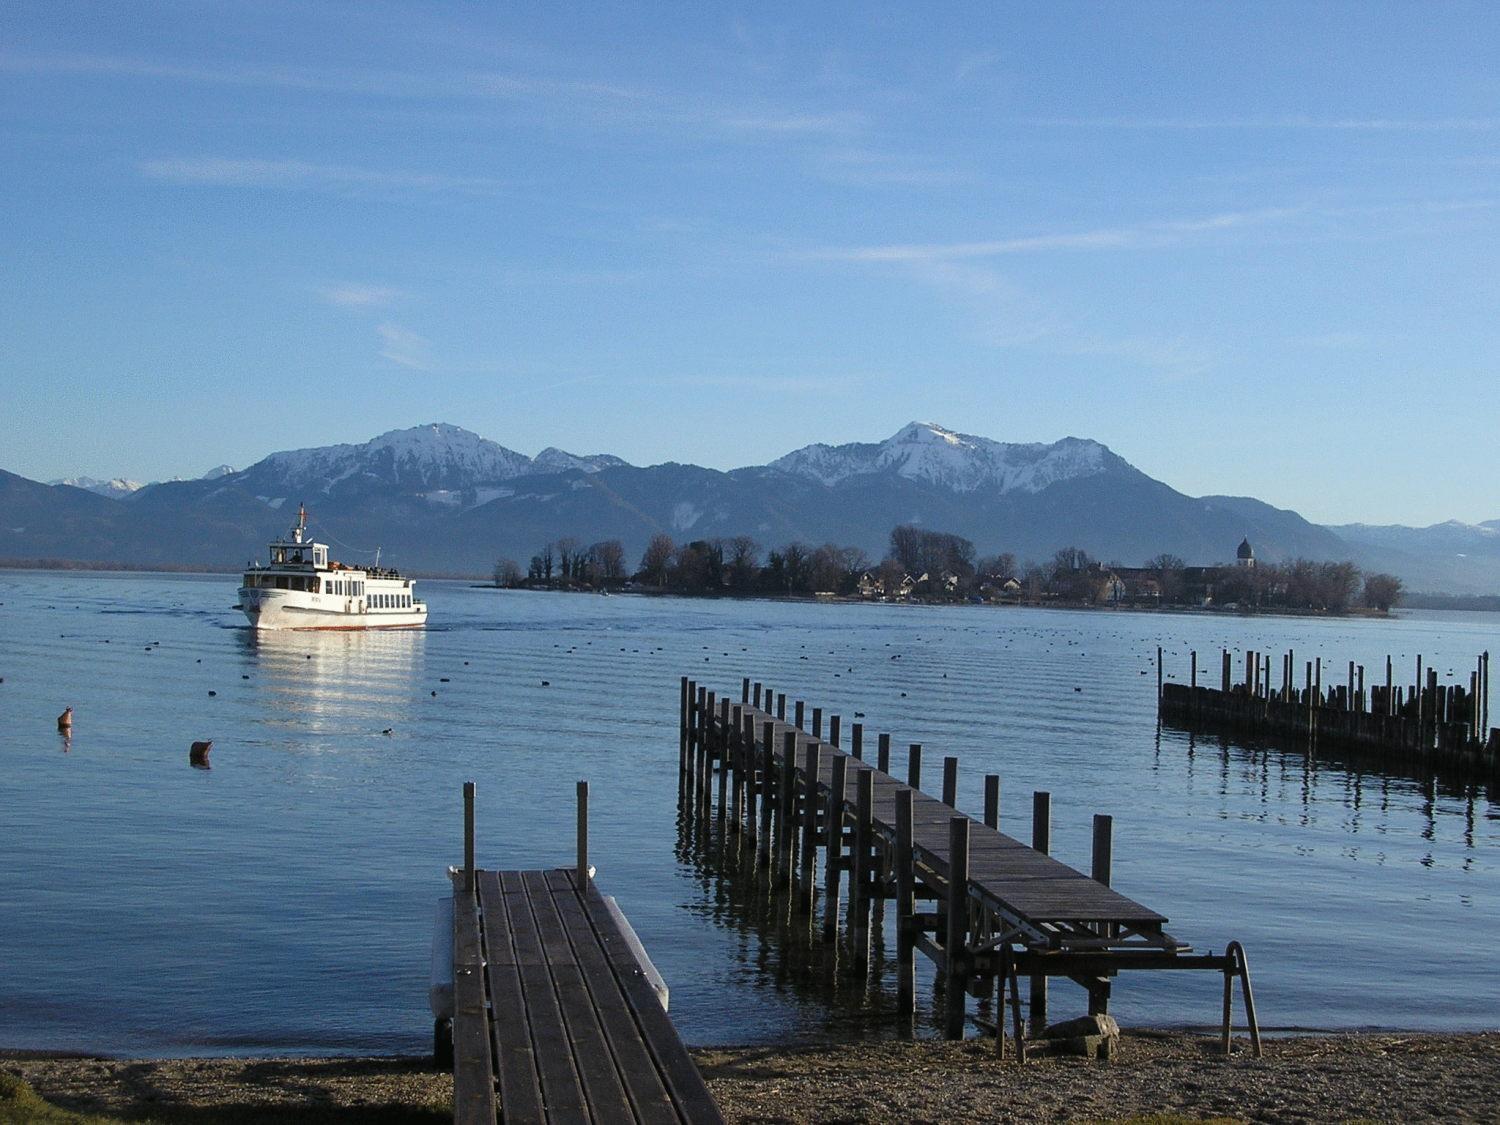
column 290, row 610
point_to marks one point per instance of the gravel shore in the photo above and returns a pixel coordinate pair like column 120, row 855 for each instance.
column 1380, row 1077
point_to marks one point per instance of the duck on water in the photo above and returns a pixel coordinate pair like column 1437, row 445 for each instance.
column 301, row 588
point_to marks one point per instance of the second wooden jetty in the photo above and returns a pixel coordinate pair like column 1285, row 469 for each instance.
column 1004, row 909
column 1430, row 723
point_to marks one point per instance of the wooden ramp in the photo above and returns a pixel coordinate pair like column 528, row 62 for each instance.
column 554, row 1018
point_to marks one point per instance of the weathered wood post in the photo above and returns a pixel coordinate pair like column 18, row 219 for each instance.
column 797, row 721
column 950, row 782
column 766, row 843
column 745, row 690
column 817, row 730
column 812, row 755
column 859, row 871
column 583, row 832
column 786, row 806
column 1104, row 850
column 755, row 694
column 956, row 936
column 992, row 800
column 834, row 850
column 914, row 765
column 726, row 736
column 781, row 706
column 682, row 728
column 834, row 722
column 883, row 754
column 1041, row 840
column 731, row 738
column 1224, row 687
column 469, row 837
column 856, row 740
column 1158, row 675
column 906, row 886
column 748, row 763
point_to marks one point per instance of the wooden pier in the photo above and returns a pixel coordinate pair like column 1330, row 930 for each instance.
column 554, row 1018
column 1001, row 909
column 1428, row 723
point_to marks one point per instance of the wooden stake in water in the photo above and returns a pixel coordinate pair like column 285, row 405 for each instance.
column 583, row 831
column 469, row 837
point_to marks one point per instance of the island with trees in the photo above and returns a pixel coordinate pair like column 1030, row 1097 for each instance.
column 937, row 567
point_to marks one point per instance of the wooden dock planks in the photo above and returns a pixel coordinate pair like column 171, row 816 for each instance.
column 1003, row 872
column 554, row 1019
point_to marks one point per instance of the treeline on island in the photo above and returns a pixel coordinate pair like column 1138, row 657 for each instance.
column 936, row 566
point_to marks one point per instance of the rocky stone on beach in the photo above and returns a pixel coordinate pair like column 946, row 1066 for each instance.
column 1092, row 1037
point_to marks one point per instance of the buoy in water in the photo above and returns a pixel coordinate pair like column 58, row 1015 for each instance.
column 198, row 752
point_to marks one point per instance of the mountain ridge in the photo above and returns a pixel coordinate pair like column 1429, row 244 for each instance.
column 443, row 498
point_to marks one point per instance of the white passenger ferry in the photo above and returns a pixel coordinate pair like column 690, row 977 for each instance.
column 301, row 589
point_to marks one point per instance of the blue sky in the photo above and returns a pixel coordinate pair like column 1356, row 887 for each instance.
column 1252, row 248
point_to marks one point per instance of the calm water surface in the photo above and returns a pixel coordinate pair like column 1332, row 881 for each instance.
column 283, row 900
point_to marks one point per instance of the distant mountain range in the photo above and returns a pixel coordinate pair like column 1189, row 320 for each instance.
column 439, row 498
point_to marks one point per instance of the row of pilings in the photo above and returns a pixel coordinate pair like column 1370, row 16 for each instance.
column 1426, row 723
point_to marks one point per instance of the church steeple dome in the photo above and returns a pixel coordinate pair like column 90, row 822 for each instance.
column 1246, row 553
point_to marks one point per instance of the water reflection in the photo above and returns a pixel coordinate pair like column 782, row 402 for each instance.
column 327, row 674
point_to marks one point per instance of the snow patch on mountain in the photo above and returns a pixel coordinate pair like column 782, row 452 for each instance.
column 927, row 452
column 434, row 458
column 116, row 489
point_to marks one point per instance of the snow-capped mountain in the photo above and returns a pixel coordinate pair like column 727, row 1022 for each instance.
column 442, row 499
column 116, row 489
column 437, row 457
column 924, row 451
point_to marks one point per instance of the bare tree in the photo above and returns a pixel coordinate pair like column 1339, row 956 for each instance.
column 1382, row 591
column 567, row 557
column 607, row 561
column 507, row 573
column 740, row 556
column 657, row 558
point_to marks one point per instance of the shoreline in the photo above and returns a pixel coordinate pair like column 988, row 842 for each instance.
column 1376, row 1075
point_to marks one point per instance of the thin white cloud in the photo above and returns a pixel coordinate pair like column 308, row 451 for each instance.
column 790, row 384
column 1349, row 124
column 1149, row 234
column 404, row 347
column 300, row 174
column 355, row 296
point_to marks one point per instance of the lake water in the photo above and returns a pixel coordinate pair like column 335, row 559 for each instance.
column 282, row 901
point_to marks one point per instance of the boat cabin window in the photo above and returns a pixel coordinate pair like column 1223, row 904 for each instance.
column 320, row 556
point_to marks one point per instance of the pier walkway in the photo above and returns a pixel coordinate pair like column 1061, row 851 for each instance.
column 554, row 1017
column 1017, row 911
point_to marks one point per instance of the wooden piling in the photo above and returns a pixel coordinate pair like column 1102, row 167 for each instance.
column 584, row 872
column 906, row 984
column 992, row 800
column 797, row 722
column 950, row 782
column 834, row 848
column 745, row 690
column 812, row 755
column 956, row 930
column 684, row 713
column 785, row 837
column 856, row 740
column 1104, row 847
column 765, row 845
column 1041, row 840
column 834, row 722
column 883, row 754
column 860, row 868
column 914, row 765
column 1158, row 673
column 781, row 706
column 469, row 837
